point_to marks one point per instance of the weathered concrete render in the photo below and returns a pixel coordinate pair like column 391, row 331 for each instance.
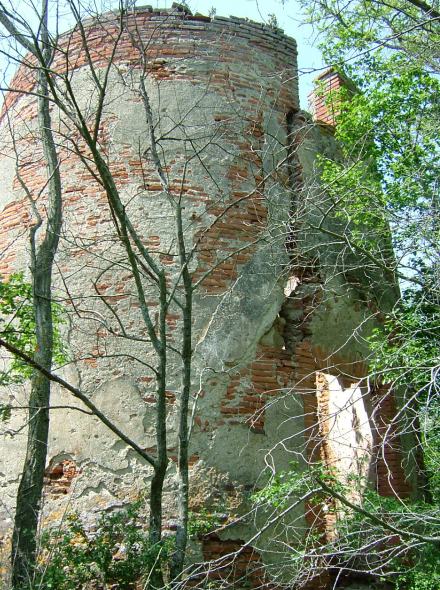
column 272, row 339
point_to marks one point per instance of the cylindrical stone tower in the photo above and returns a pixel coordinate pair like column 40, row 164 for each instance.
column 224, row 103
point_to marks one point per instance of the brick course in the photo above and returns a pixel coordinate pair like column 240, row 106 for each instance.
column 249, row 73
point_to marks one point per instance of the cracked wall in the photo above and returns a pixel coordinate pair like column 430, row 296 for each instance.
column 268, row 320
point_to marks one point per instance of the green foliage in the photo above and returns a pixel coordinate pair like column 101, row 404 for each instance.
column 406, row 356
column 118, row 552
column 282, row 486
column 18, row 328
column 387, row 178
column 406, row 562
column 407, row 347
column 18, row 325
column 202, row 522
column 272, row 21
column 388, row 175
column 388, row 132
column 279, row 489
column 5, row 412
column 422, row 572
column 412, row 565
column 353, row 29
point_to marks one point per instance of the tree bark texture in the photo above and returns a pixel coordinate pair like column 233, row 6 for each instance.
column 24, row 541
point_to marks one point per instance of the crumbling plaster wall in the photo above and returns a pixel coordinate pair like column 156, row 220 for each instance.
column 202, row 94
column 223, row 87
column 342, row 298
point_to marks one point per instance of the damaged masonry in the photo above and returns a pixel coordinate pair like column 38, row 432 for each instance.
column 277, row 366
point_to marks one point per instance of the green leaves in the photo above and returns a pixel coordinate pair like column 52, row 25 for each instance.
column 117, row 551
column 422, row 572
column 384, row 191
column 407, row 348
column 17, row 325
column 202, row 522
column 287, row 485
column 353, row 29
column 5, row 412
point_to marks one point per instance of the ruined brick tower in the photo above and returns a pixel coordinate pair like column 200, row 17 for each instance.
column 276, row 366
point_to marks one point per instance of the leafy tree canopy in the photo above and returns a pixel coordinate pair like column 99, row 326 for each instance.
column 352, row 29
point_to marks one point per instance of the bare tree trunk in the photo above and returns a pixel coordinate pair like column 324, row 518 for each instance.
column 160, row 468
column 178, row 558
column 31, row 483
column 30, row 489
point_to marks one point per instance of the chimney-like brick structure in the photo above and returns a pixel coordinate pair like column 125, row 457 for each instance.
column 324, row 102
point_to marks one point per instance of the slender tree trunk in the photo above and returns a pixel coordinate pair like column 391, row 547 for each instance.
column 157, row 483
column 178, row 559
column 156, row 579
column 24, row 540
column 31, row 483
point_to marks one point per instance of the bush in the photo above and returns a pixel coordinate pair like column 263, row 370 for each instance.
column 423, row 573
column 117, row 553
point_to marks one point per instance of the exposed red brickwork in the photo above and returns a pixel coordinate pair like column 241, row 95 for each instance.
column 166, row 39
column 390, row 474
column 391, row 481
column 251, row 388
column 230, row 561
column 324, row 102
column 315, row 403
column 58, row 477
column 15, row 220
column 231, row 239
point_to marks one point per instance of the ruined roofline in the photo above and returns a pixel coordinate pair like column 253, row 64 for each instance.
column 330, row 71
column 164, row 30
column 323, row 103
column 177, row 17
